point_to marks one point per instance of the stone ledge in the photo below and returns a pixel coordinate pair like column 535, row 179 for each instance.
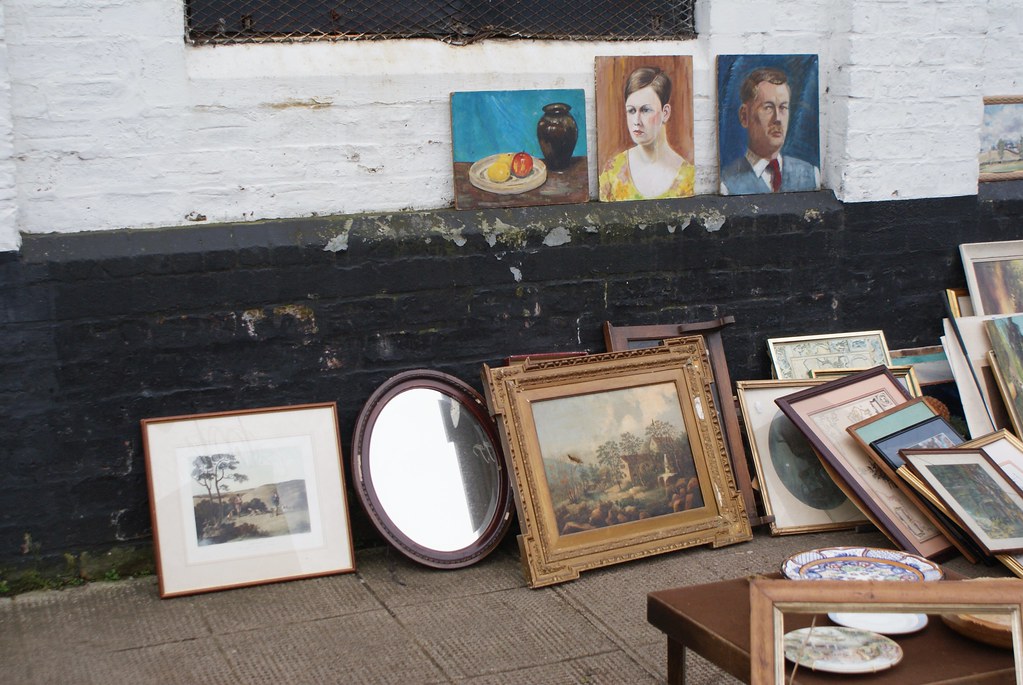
column 511, row 227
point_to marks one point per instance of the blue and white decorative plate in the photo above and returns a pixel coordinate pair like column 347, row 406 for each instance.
column 859, row 563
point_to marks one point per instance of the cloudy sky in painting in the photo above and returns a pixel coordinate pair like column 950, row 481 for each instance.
column 1001, row 121
column 578, row 425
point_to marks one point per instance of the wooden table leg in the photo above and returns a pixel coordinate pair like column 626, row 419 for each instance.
column 676, row 662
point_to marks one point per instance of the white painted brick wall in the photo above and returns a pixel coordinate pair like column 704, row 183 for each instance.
column 109, row 120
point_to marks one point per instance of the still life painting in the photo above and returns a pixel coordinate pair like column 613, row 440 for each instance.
column 644, row 127
column 1001, row 139
column 768, row 124
column 517, row 148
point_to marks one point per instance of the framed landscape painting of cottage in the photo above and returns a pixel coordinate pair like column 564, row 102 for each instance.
column 615, row 456
column 515, row 148
column 246, row 497
column 1001, row 138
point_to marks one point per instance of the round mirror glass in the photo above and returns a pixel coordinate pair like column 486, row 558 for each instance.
column 430, row 472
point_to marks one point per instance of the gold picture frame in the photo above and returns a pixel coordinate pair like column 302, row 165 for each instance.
column 621, row 338
column 998, row 139
column 798, row 494
column 904, row 372
column 798, row 356
column 589, row 491
column 770, row 598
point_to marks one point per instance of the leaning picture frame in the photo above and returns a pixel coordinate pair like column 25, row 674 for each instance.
column 823, row 414
column 1006, row 361
column 799, row 356
column 986, row 503
column 797, row 492
column 1005, row 450
column 993, row 275
column 904, row 372
column 771, row 598
column 614, row 457
column 1000, row 157
column 246, row 497
column 891, row 421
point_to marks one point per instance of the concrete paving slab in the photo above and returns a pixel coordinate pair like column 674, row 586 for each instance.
column 189, row 662
column 612, row 668
column 121, row 615
column 502, row 631
column 257, row 607
column 398, row 581
column 369, row 648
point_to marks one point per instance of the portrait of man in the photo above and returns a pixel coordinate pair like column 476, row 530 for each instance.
column 768, row 124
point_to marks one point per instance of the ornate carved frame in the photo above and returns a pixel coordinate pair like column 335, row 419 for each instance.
column 552, row 556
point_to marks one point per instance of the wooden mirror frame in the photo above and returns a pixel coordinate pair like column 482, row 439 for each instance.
column 473, row 403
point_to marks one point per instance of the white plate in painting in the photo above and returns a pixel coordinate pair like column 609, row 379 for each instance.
column 841, row 650
column 859, row 563
column 886, row 624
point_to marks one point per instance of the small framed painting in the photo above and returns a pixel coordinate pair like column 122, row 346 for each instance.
column 246, row 497
column 994, row 276
column 985, row 502
column 1001, row 139
column 1006, row 359
column 799, row 356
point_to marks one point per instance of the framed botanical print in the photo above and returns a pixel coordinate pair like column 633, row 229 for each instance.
column 800, row 356
column 824, row 413
column 615, row 456
column 246, row 497
column 798, row 493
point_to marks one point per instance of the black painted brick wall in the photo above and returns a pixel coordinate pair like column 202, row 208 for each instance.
column 100, row 330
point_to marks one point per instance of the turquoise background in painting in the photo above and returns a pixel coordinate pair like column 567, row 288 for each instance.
column 488, row 122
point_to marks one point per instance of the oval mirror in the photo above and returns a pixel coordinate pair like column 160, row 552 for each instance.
column 429, row 471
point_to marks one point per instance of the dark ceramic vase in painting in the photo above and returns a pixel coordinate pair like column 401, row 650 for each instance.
column 557, row 133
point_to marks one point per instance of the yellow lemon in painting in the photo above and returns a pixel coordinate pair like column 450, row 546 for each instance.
column 499, row 171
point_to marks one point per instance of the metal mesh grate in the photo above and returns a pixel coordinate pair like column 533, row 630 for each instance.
column 452, row 21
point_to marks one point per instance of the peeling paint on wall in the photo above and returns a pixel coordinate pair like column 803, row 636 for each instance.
column 516, row 274
column 301, row 313
column 250, row 318
column 311, row 103
column 557, row 236
column 712, row 220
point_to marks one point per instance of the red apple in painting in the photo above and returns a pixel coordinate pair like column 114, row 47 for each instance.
column 522, row 164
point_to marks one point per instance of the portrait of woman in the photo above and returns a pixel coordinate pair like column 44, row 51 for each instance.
column 644, row 127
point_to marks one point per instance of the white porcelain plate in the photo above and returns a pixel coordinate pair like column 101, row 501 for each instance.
column 536, row 177
column 886, row 624
column 841, row 650
column 859, row 563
